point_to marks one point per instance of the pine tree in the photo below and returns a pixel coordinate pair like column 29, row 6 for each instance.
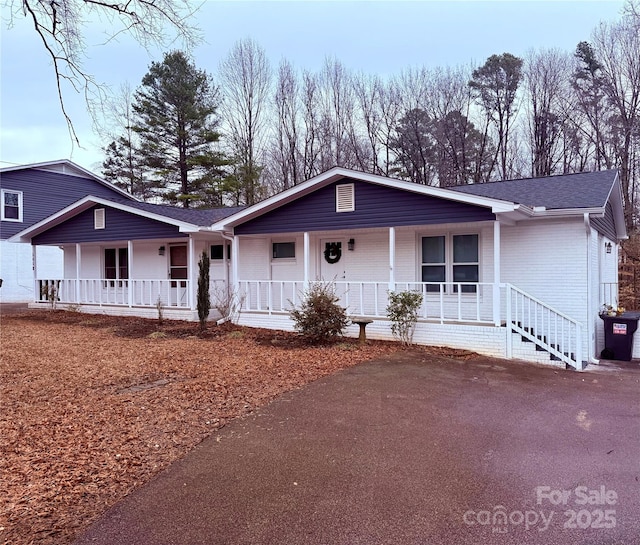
column 176, row 121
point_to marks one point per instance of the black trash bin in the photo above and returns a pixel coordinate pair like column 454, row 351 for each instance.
column 618, row 335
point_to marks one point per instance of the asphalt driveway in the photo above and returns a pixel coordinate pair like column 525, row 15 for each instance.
column 409, row 450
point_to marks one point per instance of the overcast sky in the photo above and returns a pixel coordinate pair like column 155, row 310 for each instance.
column 375, row 37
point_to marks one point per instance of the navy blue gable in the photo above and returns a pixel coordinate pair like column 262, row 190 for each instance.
column 606, row 225
column 375, row 206
column 44, row 193
column 119, row 225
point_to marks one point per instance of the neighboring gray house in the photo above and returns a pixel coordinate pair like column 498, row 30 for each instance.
column 28, row 194
column 514, row 269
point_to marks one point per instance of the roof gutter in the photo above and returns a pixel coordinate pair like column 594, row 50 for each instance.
column 556, row 212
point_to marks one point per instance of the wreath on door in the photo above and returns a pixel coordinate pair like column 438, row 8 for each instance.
column 332, row 252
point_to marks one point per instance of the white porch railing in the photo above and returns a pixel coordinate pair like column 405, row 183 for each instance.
column 446, row 301
column 534, row 320
column 92, row 291
column 609, row 294
column 552, row 331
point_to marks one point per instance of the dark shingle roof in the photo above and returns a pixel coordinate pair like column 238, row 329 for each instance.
column 195, row 216
column 583, row 190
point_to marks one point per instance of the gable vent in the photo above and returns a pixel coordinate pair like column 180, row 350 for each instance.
column 345, row 198
column 98, row 218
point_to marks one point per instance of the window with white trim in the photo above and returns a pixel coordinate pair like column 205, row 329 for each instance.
column 283, row 250
column 217, row 251
column 451, row 258
column 116, row 265
column 11, row 205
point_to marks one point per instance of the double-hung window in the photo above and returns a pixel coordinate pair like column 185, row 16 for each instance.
column 434, row 263
column 116, row 265
column 450, row 258
column 11, row 205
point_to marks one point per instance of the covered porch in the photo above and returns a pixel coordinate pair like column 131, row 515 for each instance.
column 482, row 312
column 136, row 277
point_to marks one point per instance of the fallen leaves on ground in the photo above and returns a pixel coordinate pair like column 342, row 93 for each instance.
column 91, row 407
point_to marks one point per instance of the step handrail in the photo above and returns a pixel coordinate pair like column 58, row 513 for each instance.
column 540, row 302
column 564, row 347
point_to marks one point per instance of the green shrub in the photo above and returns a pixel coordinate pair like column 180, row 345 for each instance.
column 320, row 317
column 203, row 297
column 402, row 311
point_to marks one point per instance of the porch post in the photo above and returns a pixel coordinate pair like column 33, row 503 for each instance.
column 78, row 270
column 496, row 273
column 392, row 258
column 37, row 290
column 306, row 252
column 225, row 257
column 130, row 271
column 191, row 268
column 235, row 251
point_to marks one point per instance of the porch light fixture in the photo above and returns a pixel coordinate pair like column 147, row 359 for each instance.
column 351, row 244
column 607, row 247
column 161, row 250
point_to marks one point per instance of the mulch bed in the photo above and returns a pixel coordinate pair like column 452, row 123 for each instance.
column 91, row 406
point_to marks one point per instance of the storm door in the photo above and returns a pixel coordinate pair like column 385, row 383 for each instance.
column 178, row 273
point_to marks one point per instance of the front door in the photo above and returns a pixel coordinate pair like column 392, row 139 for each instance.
column 178, row 273
column 333, row 260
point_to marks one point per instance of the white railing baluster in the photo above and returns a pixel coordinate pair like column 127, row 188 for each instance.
column 557, row 333
column 281, row 296
column 376, row 308
column 258, row 297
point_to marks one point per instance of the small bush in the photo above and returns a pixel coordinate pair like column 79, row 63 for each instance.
column 160, row 310
column 402, row 311
column 319, row 317
column 203, row 297
column 49, row 291
column 228, row 302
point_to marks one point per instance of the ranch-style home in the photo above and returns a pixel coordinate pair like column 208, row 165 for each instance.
column 516, row 269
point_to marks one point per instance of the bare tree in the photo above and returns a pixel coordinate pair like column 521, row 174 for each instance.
column 61, row 27
column 337, row 109
column 415, row 148
column 463, row 154
column 311, row 124
column 367, row 90
column 496, row 85
column 286, row 152
column 590, row 103
column 245, row 78
column 546, row 88
column 390, row 108
column 122, row 164
column 618, row 47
